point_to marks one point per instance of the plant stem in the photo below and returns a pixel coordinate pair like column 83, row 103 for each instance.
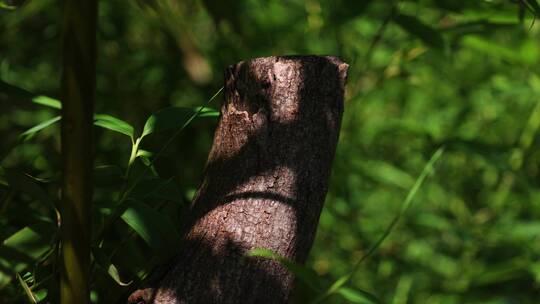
column 133, row 156
column 126, row 191
column 78, row 91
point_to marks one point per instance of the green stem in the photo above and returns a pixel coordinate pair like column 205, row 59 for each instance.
column 124, row 194
column 78, row 91
column 133, row 156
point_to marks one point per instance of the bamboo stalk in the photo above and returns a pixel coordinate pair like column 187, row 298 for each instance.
column 78, row 90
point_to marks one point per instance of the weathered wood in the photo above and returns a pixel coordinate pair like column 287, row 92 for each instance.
column 265, row 182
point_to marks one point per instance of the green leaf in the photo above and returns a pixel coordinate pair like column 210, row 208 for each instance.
column 16, row 92
column 527, row 53
column 490, row 48
column 32, row 131
column 508, row 270
column 519, row 230
column 335, row 287
column 358, row 296
column 154, row 228
column 428, row 168
column 27, row 291
column 174, row 118
column 47, row 101
column 490, row 18
column 264, row 253
column 206, row 112
column 113, row 124
column 105, row 263
column 31, row 241
column 7, row 7
column 424, row 32
column 405, row 205
column 41, row 294
column 303, row 273
column 145, row 156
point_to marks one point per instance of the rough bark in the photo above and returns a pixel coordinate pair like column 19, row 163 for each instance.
column 264, row 186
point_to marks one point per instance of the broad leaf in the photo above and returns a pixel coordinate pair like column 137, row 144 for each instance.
column 113, row 124
column 154, row 228
column 30, row 241
column 47, row 101
column 417, row 28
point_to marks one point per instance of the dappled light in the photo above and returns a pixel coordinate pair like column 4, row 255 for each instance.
column 409, row 175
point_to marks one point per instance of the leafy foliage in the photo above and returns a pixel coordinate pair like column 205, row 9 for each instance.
column 423, row 74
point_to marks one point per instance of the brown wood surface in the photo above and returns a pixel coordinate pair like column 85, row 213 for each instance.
column 265, row 183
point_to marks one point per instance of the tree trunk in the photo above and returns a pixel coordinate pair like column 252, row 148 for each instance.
column 264, row 186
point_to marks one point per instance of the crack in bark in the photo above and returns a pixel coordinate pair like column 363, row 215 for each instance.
column 265, row 182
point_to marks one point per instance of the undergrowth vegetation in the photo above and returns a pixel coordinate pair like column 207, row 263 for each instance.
column 450, row 88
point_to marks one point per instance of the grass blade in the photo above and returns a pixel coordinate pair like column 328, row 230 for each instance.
column 428, row 168
column 405, row 205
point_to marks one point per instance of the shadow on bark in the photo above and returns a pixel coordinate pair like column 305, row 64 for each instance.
column 265, row 182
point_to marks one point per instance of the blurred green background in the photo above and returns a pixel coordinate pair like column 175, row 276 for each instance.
column 424, row 74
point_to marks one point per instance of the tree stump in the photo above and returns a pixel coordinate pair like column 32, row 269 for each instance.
column 265, row 183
